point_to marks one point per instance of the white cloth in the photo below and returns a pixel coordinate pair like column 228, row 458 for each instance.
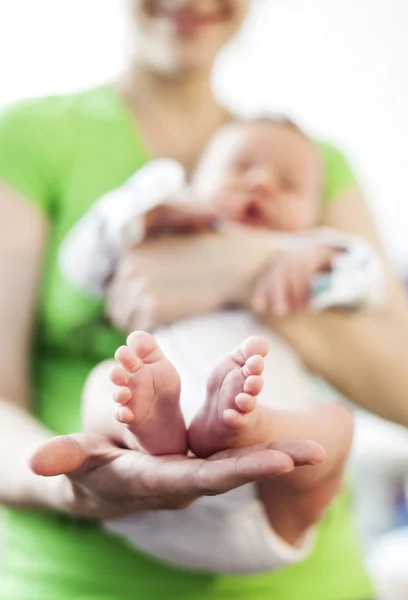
column 229, row 533
column 89, row 253
column 357, row 279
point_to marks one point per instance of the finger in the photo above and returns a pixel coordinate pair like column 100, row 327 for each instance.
column 299, row 278
column 302, row 452
column 307, row 286
column 198, row 477
column 153, row 481
column 278, row 293
column 259, row 302
column 57, row 456
column 322, row 258
column 236, row 207
column 222, row 472
column 194, row 216
column 208, row 211
column 222, row 475
column 298, row 285
column 68, row 454
column 202, row 225
column 280, row 299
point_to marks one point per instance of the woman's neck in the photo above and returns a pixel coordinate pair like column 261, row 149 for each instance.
column 176, row 115
column 176, row 93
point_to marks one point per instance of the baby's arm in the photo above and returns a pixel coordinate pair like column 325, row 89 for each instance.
column 357, row 278
column 90, row 251
column 321, row 270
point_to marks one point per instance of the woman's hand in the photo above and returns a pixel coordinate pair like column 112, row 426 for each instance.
column 100, row 480
column 174, row 277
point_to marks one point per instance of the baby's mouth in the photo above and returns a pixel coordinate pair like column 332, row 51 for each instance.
column 252, row 214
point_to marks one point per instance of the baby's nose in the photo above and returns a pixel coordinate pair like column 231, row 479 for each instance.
column 262, row 182
column 258, row 174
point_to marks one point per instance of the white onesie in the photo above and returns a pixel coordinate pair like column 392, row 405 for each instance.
column 228, row 533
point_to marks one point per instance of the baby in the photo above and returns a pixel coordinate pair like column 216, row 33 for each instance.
column 263, row 174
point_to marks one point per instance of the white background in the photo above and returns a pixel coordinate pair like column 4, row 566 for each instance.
column 339, row 66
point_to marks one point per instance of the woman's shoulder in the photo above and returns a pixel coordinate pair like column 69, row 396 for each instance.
column 338, row 173
column 95, row 102
column 38, row 137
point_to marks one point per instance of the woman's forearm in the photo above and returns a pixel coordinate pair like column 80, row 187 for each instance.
column 20, row 434
column 364, row 356
column 297, row 501
column 174, row 277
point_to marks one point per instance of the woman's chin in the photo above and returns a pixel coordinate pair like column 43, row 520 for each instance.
column 181, row 63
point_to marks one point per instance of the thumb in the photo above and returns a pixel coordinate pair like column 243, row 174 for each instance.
column 66, row 454
column 201, row 215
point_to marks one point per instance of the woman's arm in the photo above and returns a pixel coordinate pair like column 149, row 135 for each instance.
column 108, row 481
column 23, row 234
column 363, row 355
column 350, row 213
column 174, row 277
column 144, row 205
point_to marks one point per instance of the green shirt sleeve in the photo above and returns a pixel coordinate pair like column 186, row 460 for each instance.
column 338, row 175
column 27, row 151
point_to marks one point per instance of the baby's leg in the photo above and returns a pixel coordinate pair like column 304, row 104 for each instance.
column 231, row 417
column 146, row 389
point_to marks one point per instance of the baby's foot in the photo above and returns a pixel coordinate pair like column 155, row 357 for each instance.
column 147, row 397
column 230, row 416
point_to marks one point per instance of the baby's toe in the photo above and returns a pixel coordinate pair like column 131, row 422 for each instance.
column 144, row 346
column 122, row 395
column 234, row 419
column 253, row 385
column 118, row 376
column 128, row 359
column 245, row 402
column 124, row 415
column 254, row 366
column 253, row 346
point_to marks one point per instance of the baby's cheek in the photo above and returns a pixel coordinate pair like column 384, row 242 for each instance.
column 295, row 219
column 304, row 215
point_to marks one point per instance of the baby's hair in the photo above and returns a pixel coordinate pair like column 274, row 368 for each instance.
column 275, row 119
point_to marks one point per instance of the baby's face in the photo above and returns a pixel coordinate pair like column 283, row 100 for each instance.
column 262, row 174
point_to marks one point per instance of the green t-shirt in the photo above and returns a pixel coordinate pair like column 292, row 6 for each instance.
column 62, row 153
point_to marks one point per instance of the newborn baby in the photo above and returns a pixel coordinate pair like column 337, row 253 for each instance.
column 263, row 174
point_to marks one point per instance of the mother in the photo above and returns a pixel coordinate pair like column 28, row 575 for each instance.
column 57, row 156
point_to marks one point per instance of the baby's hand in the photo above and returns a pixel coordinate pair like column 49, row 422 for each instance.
column 287, row 285
column 177, row 217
